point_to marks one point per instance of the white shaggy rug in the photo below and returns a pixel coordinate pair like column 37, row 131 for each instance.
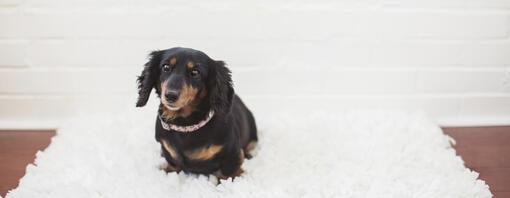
column 354, row 154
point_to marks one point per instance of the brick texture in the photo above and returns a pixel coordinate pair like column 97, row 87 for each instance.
column 447, row 58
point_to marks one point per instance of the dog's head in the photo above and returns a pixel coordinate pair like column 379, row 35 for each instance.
column 183, row 79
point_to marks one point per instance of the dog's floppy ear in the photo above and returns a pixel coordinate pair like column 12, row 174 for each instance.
column 220, row 88
column 147, row 80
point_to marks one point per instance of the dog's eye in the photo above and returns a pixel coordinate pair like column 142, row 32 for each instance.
column 195, row 73
column 166, row 68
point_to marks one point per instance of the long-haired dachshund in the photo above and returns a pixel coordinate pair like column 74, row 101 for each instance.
column 203, row 127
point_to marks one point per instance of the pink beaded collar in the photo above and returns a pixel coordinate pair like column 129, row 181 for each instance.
column 186, row 129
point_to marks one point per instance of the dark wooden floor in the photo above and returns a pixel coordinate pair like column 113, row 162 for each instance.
column 17, row 149
column 487, row 151
column 484, row 149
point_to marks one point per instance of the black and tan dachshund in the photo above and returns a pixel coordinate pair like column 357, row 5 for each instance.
column 202, row 125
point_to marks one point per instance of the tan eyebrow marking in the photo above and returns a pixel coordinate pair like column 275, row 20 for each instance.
column 191, row 64
column 173, row 61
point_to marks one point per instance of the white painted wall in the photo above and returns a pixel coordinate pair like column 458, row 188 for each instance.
column 449, row 58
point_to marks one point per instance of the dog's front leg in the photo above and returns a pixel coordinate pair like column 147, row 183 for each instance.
column 170, row 154
column 231, row 167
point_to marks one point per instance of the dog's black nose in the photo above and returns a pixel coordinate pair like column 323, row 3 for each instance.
column 171, row 96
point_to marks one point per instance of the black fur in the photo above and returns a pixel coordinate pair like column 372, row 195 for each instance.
column 147, row 80
column 221, row 89
column 233, row 125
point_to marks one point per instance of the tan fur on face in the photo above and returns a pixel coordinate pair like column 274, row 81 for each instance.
column 163, row 90
column 204, row 153
column 190, row 65
column 173, row 61
column 167, row 114
column 186, row 101
column 188, row 93
column 203, row 93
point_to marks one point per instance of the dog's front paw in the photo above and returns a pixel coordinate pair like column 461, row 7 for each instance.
column 169, row 168
column 222, row 176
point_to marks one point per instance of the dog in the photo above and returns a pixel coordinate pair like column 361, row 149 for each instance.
column 202, row 125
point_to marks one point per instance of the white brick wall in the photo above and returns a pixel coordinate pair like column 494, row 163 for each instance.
column 448, row 58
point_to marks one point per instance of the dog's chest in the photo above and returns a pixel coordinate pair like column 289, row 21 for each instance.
column 198, row 152
column 203, row 153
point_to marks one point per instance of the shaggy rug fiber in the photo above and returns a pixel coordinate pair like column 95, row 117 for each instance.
column 350, row 154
